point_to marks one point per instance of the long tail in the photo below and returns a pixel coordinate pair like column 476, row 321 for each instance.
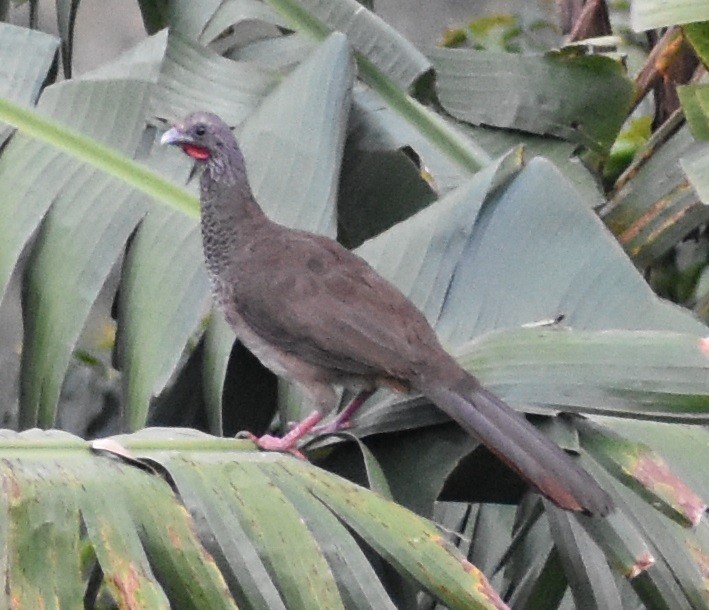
column 520, row 445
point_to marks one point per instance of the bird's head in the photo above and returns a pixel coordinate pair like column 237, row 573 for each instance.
column 201, row 135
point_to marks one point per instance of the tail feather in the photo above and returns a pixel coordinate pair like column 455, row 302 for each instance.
column 521, row 446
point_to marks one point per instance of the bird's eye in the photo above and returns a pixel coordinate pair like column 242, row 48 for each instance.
column 200, row 131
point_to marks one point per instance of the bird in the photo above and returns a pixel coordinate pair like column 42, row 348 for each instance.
column 320, row 316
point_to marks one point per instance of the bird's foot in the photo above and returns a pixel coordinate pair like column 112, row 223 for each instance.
column 286, row 444
column 283, row 445
column 272, row 443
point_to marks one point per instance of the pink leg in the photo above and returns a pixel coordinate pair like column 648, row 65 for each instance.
column 288, row 442
column 342, row 421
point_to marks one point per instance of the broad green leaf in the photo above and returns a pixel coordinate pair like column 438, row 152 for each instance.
column 164, row 294
column 614, row 371
column 380, row 126
column 189, row 18
column 27, row 57
column 111, row 532
column 695, row 104
column 358, row 584
column 698, row 36
column 421, row 255
column 231, row 13
column 695, row 164
column 454, row 581
column 92, row 150
column 382, row 68
column 621, row 541
column 545, row 585
column 294, row 142
column 91, row 217
column 415, row 470
column 647, row 473
column 564, row 155
column 281, row 54
column 379, row 189
column 283, row 539
column 189, row 574
column 391, row 54
column 275, row 501
column 194, row 78
column 675, row 579
column 682, row 447
column 140, row 62
column 210, row 500
column 465, row 282
column 43, row 533
column 586, row 570
column 648, row 14
column 580, row 98
column 218, row 342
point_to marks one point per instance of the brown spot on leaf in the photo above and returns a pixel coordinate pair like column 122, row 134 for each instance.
column 634, row 229
column 483, row 585
column 701, row 559
column 127, row 587
column 652, row 471
column 174, row 537
column 643, row 563
column 12, row 487
column 485, row 588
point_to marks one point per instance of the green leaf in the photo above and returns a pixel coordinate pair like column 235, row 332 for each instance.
column 695, row 164
column 233, row 12
column 695, row 104
column 300, row 130
column 456, row 582
column 588, row 574
column 649, row 14
column 164, row 296
column 27, row 57
column 620, row 372
column 90, row 219
column 647, row 473
column 218, row 342
column 111, row 532
column 580, row 98
column 654, row 210
column 355, row 576
column 194, row 78
column 698, row 36
column 388, row 51
column 43, row 536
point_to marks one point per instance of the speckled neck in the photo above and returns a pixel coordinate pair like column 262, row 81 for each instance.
column 230, row 213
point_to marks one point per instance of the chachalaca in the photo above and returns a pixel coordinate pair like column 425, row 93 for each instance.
column 317, row 314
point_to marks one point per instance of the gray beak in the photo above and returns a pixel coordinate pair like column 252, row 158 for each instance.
column 172, row 136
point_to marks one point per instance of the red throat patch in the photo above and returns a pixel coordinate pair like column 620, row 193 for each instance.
column 196, row 152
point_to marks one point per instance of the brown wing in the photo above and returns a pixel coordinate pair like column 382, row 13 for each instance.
column 311, row 297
